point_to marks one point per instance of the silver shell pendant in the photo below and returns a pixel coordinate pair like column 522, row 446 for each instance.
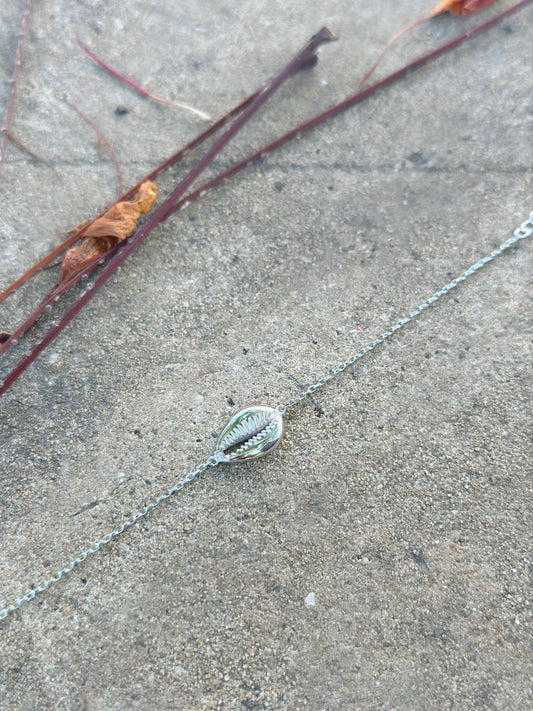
column 249, row 434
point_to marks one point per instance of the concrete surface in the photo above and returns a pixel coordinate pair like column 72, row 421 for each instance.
column 399, row 501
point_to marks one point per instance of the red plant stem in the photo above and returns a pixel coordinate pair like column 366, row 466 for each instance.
column 13, row 81
column 27, row 150
column 193, row 144
column 57, row 251
column 101, row 137
column 138, row 88
column 303, row 59
column 307, row 125
column 456, row 8
column 48, row 301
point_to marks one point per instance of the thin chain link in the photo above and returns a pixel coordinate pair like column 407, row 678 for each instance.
column 525, row 230
column 98, row 545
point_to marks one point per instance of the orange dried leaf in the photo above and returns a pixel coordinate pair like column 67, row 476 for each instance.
column 146, row 196
column 113, row 226
column 460, row 7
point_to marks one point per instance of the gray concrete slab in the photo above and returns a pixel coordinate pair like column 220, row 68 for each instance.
column 399, row 501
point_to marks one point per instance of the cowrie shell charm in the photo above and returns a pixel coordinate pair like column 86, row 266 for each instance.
column 249, row 434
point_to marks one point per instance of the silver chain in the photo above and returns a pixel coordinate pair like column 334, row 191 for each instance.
column 525, row 230
column 97, row 545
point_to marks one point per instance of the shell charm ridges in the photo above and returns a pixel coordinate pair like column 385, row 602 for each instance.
column 249, row 434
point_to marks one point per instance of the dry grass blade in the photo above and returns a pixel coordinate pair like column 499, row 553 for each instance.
column 101, row 140
column 455, row 7
column 27, row 150
column 138, row 88
column 13, row 81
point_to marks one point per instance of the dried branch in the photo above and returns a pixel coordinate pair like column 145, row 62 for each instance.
column 13, row 81
column 138, row 88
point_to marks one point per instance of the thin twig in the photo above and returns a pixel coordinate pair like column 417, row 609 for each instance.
column 30, row 152
column 390, row 41
column 138, row 88
column 13, row 81
column 456, row 8
column 103, row 139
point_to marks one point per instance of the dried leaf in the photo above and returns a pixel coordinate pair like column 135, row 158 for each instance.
column 460, row 7
column 113, row 226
